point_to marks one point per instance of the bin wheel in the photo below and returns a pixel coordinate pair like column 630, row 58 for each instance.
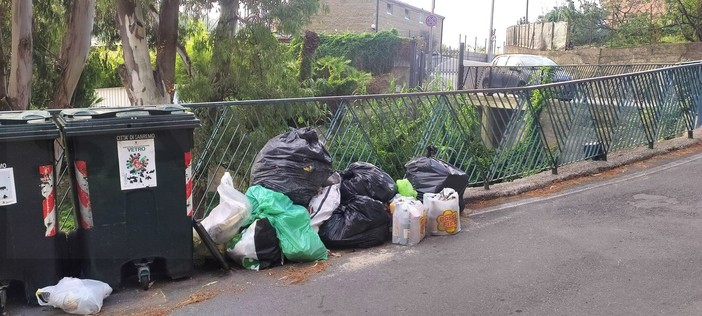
column 144, row 275
column 144, row 282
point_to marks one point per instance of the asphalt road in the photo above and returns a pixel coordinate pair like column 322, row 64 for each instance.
column 628, row 245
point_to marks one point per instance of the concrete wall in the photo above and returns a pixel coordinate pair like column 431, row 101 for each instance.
column 540, row 36
column 649, row 54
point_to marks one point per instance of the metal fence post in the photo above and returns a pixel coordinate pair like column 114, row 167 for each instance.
column 461, row 80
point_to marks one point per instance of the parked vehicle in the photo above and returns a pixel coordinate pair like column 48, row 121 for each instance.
column 519, row 70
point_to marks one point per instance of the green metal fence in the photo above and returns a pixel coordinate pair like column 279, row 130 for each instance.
column 495, row 135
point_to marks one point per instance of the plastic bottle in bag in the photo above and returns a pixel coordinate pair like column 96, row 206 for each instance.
column 409, row 221
column 443, row 212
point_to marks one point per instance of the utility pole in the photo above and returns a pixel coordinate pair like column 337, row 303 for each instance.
column 526, row 17
column 377, row 13
column 490, row 48
column 431, row 39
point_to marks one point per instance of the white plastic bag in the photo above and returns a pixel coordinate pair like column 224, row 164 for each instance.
column 257, row 247
column 75, row 296
column 323, row 205
column 443, row 212
column 225, row 220
column 408, row 221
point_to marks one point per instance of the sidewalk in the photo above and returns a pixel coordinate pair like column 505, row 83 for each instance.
column 580, row 169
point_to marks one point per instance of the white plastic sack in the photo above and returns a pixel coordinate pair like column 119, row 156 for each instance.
column 323, row 205
column 443, row 212
column 75, row 296
column 225, row 220
column 408, row 221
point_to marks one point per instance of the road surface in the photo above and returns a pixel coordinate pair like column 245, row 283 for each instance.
column 628, row 245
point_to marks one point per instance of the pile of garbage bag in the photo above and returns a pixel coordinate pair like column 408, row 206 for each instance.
column 298, row 206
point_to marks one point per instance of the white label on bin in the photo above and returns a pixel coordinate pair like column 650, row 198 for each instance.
column 137, row 163
column 8, row 195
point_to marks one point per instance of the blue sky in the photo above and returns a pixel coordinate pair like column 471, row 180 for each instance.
column 472, row 17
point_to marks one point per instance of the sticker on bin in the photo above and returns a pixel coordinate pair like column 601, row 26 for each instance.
column 189, row 184
column 48, row 204
column 137, row 163
column 86, row 211
column 8, row 195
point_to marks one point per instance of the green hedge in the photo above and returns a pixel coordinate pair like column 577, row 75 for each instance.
column 372, row 52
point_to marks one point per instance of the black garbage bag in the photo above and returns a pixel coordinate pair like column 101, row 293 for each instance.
column 362, row 222
column 295, row 164
column 256, row 247
column 431, row 175
column 362, row 178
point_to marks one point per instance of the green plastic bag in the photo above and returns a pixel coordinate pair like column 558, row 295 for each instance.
column 404, row 188
column 298, row 241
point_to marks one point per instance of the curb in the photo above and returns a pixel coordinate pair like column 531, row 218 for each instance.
column 581, row 169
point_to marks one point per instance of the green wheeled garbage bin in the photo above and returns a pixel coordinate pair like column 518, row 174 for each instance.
column 132, row 185
column 28, row 221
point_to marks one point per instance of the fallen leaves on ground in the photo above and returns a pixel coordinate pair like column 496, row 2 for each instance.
column 299, row 274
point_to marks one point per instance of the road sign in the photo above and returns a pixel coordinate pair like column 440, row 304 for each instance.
column 431, row 20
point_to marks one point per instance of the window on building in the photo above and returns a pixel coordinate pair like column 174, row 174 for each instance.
column 407, row 14
column 389, row 8
column 421, row 18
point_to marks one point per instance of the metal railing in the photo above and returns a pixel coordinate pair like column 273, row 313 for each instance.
column 494, row 135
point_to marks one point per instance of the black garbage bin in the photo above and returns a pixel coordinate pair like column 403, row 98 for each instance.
column 131, row 177
column 28, row 220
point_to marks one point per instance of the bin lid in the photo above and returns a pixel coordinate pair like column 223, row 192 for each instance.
column 27, row 125
column 77, row 122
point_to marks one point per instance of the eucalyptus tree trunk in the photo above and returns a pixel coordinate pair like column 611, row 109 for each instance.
column 144, row 85
column 20, row 86
column 4, row 102
column 74, row 51
column 228, row 18
column 167, row 44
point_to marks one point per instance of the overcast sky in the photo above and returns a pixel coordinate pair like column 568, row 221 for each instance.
column 472, row 17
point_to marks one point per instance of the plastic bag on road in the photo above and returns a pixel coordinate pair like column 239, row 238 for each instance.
column 323, row 205
column 75, row 296
column 225, row 220
column 295, row 164
column 298, row 241
column 361, row 222
column 443, row 215
column 362, row 178
column 431, row 175
column 256, row 247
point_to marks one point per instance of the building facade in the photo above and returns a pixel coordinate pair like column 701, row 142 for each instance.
column 357, row 16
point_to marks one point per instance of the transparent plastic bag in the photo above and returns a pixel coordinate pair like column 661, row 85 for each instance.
column 75, row 296
column 225, row 220
column 408, row 221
